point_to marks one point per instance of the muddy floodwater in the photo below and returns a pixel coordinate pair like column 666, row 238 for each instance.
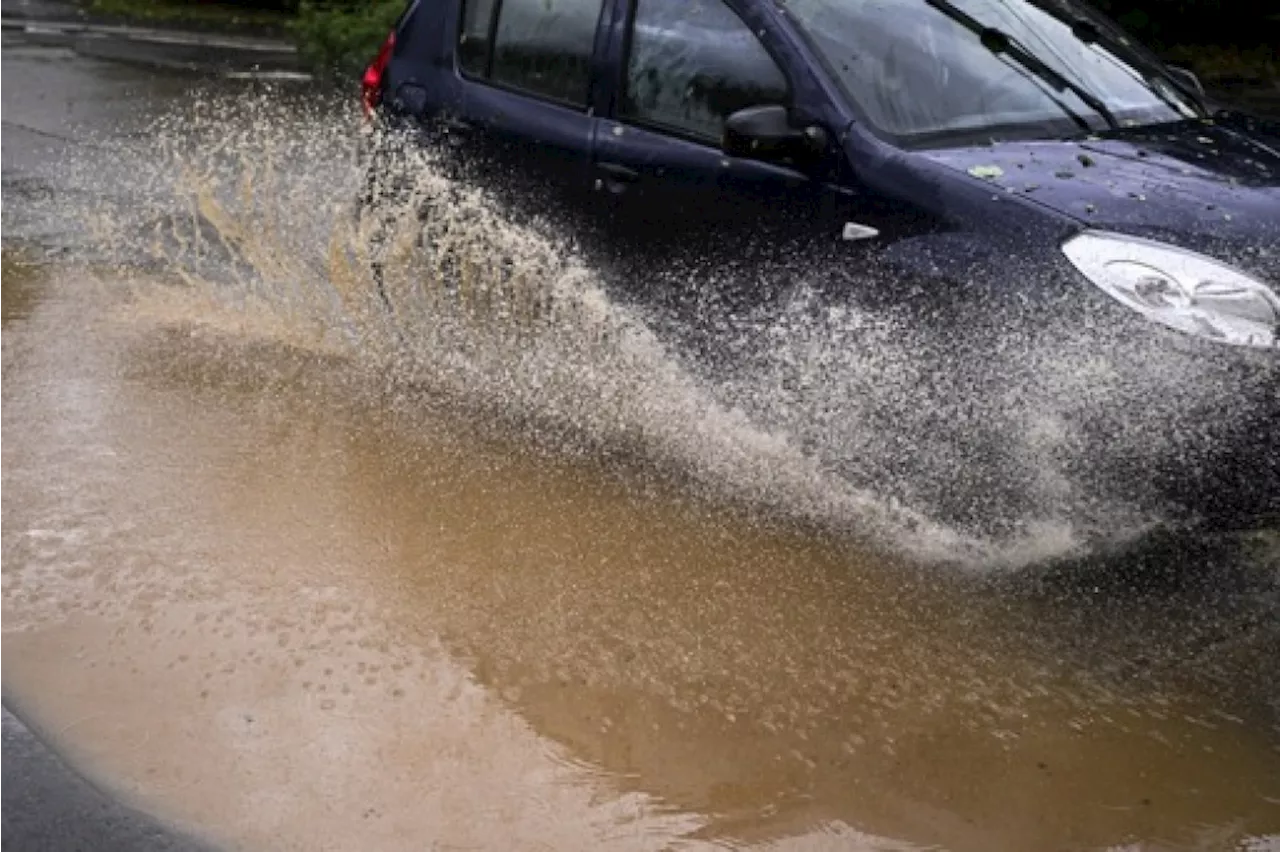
column 272, row 574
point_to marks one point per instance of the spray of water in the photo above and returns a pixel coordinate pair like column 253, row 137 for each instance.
column 830, row 413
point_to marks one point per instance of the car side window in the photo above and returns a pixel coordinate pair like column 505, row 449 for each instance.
column 473, row 36
column 692, row 63
column 543, row 47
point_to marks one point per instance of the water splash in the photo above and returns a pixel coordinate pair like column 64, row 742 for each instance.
column 831, row 413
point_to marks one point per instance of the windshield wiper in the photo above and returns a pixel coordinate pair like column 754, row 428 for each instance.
column 999, row 42
column 1091, row 34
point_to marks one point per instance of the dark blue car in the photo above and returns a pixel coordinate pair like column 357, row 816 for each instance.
column 999, row 171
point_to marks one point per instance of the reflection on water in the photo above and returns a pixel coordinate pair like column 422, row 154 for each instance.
column 296, row 604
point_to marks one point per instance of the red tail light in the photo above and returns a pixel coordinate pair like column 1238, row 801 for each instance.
column 371, row 83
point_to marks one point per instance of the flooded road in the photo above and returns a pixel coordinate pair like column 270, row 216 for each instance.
column 271, row 582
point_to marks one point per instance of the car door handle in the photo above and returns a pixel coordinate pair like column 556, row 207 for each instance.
column 619, row 172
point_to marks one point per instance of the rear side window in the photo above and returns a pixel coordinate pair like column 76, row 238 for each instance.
column 692, row 63
column 543, row 47
column 473, row 36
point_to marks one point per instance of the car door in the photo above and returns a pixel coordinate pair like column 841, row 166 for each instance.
column 676, row 205
column 520, row 120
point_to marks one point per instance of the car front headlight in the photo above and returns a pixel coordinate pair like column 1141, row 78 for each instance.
column 1178, row 288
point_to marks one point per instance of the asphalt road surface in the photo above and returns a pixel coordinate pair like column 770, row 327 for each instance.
column 48, row 806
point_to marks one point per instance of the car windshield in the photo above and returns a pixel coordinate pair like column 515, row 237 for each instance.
column 933, row 70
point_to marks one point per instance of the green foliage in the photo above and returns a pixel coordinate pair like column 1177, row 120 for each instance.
column 231, row 17
column 339, row 39
column 1225, row 42
column 1164, row 23
column 1217, row 64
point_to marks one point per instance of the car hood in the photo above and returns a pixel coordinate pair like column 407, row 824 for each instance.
column 1212, row 186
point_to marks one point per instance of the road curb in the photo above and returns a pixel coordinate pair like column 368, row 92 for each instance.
column 151, row 35
column 188, row 57
column 174, row 50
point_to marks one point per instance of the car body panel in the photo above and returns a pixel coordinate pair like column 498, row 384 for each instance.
column 1198, row 185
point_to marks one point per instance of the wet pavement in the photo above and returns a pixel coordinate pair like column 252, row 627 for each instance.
column 164, row 48
column 268, row 582
column 47, row 806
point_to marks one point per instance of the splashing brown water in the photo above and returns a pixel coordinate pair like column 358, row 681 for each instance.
column 255, row 205
column 831, row 413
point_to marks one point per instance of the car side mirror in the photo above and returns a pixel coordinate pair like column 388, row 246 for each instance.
column 1188, row 78
column 767, row 133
